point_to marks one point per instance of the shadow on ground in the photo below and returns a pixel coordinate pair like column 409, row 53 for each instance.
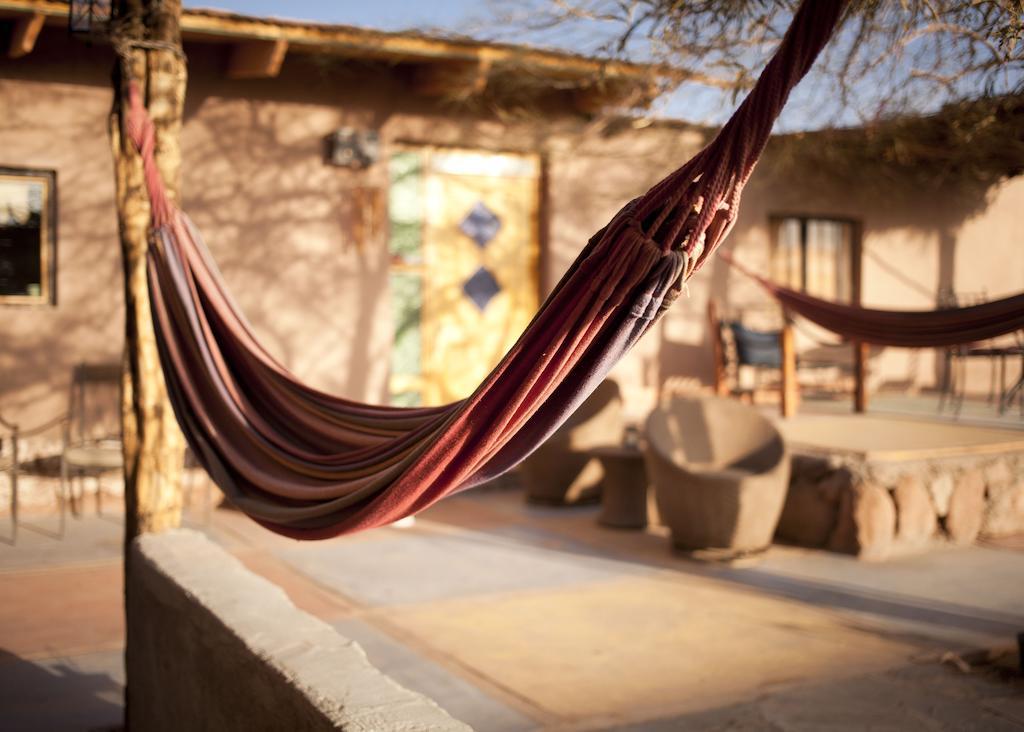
column 926, row 695
column 77, row 693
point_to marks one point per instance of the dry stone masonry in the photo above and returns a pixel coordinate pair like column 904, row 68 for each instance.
column 876, row 509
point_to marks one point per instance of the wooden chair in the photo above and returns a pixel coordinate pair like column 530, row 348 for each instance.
column 735, row 345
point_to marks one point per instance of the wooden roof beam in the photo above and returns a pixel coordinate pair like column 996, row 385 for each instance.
column 351, row 42
column 611, row 93
column 23, row 37
column 260, row 59
column 452, row 79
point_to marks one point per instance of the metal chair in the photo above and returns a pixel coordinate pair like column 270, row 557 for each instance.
column 953, row 378
column 89, row 449
column 11, row 462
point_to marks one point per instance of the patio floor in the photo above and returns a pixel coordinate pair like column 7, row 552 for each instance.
column 519, row 618
column 890, row 438
column 974, row 410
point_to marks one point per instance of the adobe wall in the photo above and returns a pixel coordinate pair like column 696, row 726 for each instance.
column 914, row 243
column 302, row 244
column 55, row 110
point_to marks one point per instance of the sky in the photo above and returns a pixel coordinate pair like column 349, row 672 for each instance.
column 450, row 15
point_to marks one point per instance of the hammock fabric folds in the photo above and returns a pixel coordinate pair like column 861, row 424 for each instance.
column 900, row 328
column 310, row 465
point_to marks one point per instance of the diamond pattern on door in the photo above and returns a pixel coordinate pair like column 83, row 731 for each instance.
column 481, row 224
column 481, row 287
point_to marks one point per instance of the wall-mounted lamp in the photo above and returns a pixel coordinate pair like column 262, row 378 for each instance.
column 351, row 148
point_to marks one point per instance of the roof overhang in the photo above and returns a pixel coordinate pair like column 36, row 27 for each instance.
column 441, row 66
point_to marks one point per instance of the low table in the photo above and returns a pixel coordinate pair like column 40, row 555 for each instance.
column 624, row 491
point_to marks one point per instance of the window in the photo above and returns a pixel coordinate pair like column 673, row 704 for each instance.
column 28, row 211
column 816, row 256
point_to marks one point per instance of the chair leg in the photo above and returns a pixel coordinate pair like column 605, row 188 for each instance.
column 991, row 381
column 207, row 495
column 76, row 506
column 944, row 381
column 959, row 386
column 14, row 490
column 62, row 498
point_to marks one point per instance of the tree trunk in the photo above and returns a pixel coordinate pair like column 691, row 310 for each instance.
column 153, row 444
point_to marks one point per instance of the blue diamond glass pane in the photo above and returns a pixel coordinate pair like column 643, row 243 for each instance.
column 481, row 287
column 481, row 224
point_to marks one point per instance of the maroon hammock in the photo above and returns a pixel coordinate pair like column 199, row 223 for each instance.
column 900, row 328
column 310, row 465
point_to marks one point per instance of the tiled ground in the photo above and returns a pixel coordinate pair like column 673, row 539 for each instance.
column 61, row 629
column 521, row 618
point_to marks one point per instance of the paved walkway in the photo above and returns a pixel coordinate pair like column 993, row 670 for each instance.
column 522, row 618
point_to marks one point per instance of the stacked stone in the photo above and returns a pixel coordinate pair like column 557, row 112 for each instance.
column 875, row 510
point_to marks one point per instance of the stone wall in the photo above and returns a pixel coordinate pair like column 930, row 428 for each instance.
column 877, row 509
column 213, row 646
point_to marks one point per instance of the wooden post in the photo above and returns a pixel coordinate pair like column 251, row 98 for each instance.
column 24, row 35
column 14, row 488
column 860, row 350
column 860, row 376
column 721, row 382
column 790, row 387
column 153, row 444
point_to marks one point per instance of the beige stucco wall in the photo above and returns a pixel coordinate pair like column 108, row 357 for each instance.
column 913, row 244
column 590, row 180
column 54, row 116
column 302, row 244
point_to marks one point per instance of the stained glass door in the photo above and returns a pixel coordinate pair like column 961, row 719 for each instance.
column 464, row 267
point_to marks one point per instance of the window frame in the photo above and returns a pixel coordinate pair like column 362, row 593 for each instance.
column 48, row 233
column 775, row 223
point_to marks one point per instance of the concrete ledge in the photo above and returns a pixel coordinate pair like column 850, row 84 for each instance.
column 213, row 646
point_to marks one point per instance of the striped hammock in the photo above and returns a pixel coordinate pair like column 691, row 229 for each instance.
column 310, row 465
column 941, row 328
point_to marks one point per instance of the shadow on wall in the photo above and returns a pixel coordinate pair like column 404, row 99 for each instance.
column 55, row 695
column 42, row 343
column 289, row 231
column 913, row 217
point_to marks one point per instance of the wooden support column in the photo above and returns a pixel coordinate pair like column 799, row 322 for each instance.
column 860, row 376
column 154, row 447
column 860, row 350
column 153, row 444
column 790, row 398
column 257, row 59
column 721, row 380
column 23, row 37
